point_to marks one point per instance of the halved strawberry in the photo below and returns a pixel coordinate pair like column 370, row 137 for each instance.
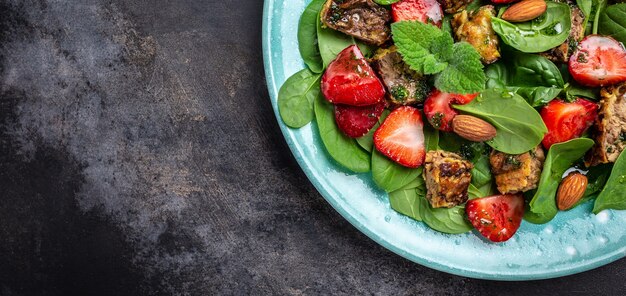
column 425, row 11
column 566, row 121
column 355, row 121
column 350, row 80
column 438, row 108
column 598, row 61
column 496, row 217
column 401, row 137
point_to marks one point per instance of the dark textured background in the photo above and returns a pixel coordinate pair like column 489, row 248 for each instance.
column 139, row 155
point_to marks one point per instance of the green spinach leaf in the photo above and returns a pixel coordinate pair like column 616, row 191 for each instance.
column 386, row 2
column 596, row 179
column 406, row 200
column 598, row 7
column 535, row 78
column 585, row 6
column 519, row 127
column 560, row 157
column 367, row 141
column 574, row 91
column 431, row 137
column 307, row 36
column 341, row 148
column 613, row 22
column 543, row 33
column 410, row 200
column 296, row 96
column 478, row 154
column 389, row 175
column 444, row 220
column 613, row 196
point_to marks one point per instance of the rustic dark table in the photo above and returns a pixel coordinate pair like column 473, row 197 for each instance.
column 139, row 155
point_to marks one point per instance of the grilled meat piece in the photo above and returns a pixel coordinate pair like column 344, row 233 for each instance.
column 362, row 19
column 517, row 173
column 562, row 52
column 404, row 86
column 447, row 177
column 476, row 29
column 610, row 128
column 454, row 6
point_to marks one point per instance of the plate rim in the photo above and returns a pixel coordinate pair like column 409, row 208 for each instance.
column 272, row 87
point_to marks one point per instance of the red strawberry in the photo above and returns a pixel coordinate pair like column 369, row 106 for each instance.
column 598, row 61
column 496, row 217
column 425, row 11
column 401, row 137
column 355, row 121
column 350, row 80
column 566, row 121
column 438, row 108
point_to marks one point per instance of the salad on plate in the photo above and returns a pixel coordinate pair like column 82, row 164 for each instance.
column 471, row 114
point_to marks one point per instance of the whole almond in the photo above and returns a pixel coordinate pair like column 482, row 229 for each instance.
column 571, row 190
column 525, row 10
column 473, row 128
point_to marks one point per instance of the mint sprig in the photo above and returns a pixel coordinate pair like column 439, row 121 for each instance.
column 429, row 50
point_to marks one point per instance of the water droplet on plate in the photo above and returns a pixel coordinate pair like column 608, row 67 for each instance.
column 571, row 251
column 387, row 218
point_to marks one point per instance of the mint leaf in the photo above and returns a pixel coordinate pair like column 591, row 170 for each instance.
column 441, row 47
column 464, row 73
column 429, row 50
column 414, row 41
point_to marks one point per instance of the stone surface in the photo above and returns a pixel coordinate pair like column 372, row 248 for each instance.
column 139, row 155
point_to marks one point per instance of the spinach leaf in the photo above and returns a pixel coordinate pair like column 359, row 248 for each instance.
column 596, row 179
column 389, row 175
column 560, row 157
column 451, row 142
column 613, row 196
column 474, row 192
column 296, row 96
column 474, row 5
column 386, row 2
column 613, row 22
column 307, row 36
column 431, row 137
column 332, row 42
column 535, row 78
column 478, row 154
column 444, row 220
column 341, row 148
column 519, row 127
column 543, row 33
column 573, row 91
column 367, row 141
column 410, row 200
column 406, row 200
column 585, row 6
column 598, row 8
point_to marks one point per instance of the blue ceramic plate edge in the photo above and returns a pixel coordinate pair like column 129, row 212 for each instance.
column 321, row 188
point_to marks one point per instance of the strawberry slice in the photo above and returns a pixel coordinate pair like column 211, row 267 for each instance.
column 496, row 217
column 401, row 137
column 566, row 121
column 438, row 108
column 350, row 80
column 425, row 11
column 355, row 121
column 598, row 61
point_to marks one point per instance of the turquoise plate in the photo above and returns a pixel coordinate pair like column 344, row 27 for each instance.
column 573, row 242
